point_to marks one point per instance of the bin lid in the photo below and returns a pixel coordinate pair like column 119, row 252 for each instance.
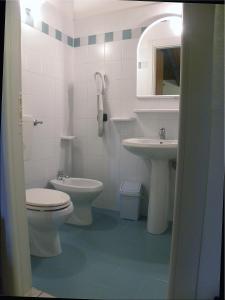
column 130, row 188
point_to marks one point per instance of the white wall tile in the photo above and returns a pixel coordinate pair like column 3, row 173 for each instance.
column 96, row 53
column 32, row 60
column 81, row 127
column 113, row 51
column 113, row 89
column 81, row 54
column 129, row 69
column 129, row 49
column 79, row 156
column 113, row 70
column 47, row 76
column 105, row 158
column 59, row 88
column 80, row 98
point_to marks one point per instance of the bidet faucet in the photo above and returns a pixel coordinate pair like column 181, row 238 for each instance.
column 61, row 176
column 162, row 133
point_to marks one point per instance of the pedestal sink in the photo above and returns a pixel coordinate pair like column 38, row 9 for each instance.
column 159, row 152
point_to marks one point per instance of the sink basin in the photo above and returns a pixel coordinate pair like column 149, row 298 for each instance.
column 152, row 148
column 159, row 152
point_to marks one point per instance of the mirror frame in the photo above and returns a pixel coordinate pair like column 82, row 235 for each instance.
column 169, row 45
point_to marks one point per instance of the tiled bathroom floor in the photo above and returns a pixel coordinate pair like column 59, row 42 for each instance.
column 111, row 259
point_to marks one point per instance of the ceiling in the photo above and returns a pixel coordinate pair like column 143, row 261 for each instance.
column 86, row 8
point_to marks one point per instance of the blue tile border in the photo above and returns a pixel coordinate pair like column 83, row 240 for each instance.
column 69, row 41
column 58, row 35
column 91, row 39
column 45, row 27
column 109, row 36
column 127, row 34
column 76, row 42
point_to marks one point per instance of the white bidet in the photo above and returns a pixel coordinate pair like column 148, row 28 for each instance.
column 83, row 192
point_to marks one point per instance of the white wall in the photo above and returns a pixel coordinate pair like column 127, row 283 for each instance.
column 59, row 88
column 47, row 90
column 104, row 158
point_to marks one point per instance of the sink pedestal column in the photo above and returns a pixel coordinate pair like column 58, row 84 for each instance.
column 158, row 197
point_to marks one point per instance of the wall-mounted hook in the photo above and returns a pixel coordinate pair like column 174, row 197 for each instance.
column 36, row 122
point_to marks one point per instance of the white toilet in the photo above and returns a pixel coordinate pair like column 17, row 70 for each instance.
column 83, row 192
column 47, row 210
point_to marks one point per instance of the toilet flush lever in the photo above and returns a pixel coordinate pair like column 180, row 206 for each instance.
column 36, row 122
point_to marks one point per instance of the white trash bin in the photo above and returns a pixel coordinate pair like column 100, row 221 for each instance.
column 130, row 198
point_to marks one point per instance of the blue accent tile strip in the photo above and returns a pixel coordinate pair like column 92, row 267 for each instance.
column 45, row 28
column 127, row 34
column 108, row 37
column 58, row 35
column 76, row 42
column 69, row 41
column 91, row 39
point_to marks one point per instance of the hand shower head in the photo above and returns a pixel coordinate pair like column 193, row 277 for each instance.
column 100, row 82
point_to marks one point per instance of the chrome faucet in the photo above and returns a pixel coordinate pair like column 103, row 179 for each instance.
column 162, row 133
column 61, row 176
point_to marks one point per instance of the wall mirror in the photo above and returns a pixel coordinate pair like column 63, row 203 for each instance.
column 158, row 58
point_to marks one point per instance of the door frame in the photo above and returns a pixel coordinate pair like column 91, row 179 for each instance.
column 185, row 226
column 2, row 31
column 197, row 230
column 15, row 253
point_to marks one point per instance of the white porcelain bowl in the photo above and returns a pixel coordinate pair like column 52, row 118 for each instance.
column 47, row 210
column 152, row 148
column 83, row 192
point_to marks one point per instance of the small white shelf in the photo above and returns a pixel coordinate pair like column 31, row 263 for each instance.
column 118, row 119
column 157, row 110
column 67, row 137
column 153, row 97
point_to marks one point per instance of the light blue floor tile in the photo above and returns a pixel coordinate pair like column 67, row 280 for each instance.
column 111, row 259
column 152, row 290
